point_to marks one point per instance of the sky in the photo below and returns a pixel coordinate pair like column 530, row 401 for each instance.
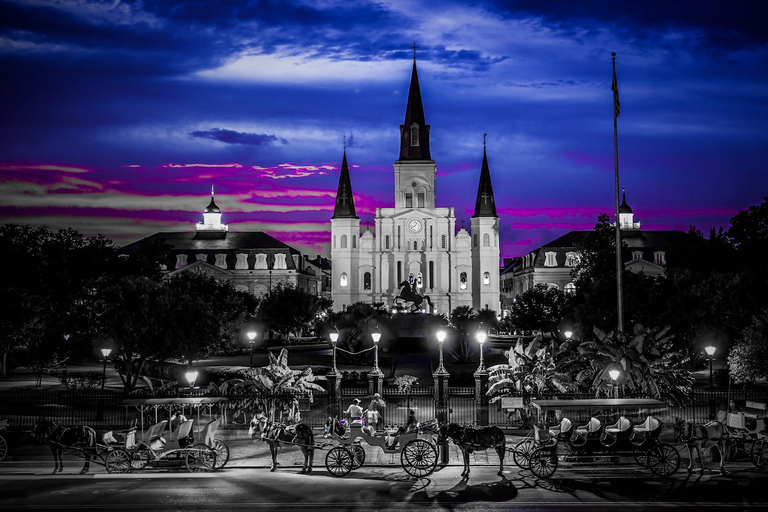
column 118, row 117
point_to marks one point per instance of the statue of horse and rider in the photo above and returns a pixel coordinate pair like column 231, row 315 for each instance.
column 409, row 298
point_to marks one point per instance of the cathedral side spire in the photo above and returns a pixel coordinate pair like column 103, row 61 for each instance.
column 414, row 132
column 485, row 205
column 345, row 203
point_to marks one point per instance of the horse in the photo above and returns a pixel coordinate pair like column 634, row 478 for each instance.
column 469, row 439
column 273, row 433
column 407, row 294
column 60, row 438
column 700, row 436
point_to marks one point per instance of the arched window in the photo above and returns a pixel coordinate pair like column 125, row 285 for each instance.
column 343, row 280
column 474, row 239
column 431, row 274
column 386, row 242
column 414, row 134
column 415, row 245
column 399, row 272
column 419, row 281
column 343, row 241
column 486, row 240
column 486, row 278
column 409, row 200
column 354, row 241
column 570, row 289
column 442, row 241
column 463, row 281
column 367, row 281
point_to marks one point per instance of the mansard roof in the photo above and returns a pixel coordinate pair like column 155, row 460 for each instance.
column 227, row 241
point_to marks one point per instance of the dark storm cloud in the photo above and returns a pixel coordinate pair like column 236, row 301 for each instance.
column 233, row 137
column 729, row 27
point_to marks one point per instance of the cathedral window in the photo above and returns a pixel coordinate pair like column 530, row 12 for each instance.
column 181, row 260
column 261, row 262
column 486, row 278
column 570, row 289
column 463, row 281
column 659, row 258
column 242, row 261
column 221, row 260
column 474, row 240
column 354, row 241
column 637, row 255
column 414, row 134
column 343, row 241
column 571, row 259
column 334, row 241
column 343, row 280
column 386, row 242
column 419, row 281
column 399, row 272
column 421, row 197
column 367, row 281
column 431, row 274
column 280, row 262
column 486, row 240
column 409, row 200
column 442, row 241
column 415, row 245
column 201, row 257
column 550, row 259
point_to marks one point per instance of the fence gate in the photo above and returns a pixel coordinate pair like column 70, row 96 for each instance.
column 461, row 406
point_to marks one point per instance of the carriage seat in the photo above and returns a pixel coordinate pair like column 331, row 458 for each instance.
column 154, row 432
column 622, row 426
column 208, row 433
column 182, row 432
column 651, row 427
column 592, row 428
column 564, row 431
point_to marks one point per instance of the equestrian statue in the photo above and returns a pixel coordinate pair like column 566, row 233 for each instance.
column 409, row 298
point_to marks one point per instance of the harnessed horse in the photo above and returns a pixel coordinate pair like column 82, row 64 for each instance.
column 469, row 439
column 408, row 295
column 60, row 438
column 273, row 433
column 700, row 436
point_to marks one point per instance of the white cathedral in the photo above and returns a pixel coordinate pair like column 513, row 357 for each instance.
column 416, row 241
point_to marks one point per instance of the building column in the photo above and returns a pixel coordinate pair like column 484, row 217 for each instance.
column 481, row 399
column 441, row 408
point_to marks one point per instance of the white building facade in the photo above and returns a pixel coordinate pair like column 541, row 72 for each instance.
column 416, row 241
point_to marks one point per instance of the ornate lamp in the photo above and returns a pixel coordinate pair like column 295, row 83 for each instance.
column 251, row 340
column 105, row 352
column 334, row 336
column 440, row 339
column 481, row 337
column 376, row 336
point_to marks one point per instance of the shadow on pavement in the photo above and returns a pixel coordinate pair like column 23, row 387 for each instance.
column 503, row 490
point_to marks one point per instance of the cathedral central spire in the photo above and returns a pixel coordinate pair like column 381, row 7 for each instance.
column 345, row 203
column 485, row 205
column 414, row 132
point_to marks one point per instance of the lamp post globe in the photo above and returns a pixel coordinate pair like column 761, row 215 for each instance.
column 104, row 352
column 710, row 350
column 481, row 337
column 568, row 334
column 191, row 377
column 376, row 336
column 440, row 339
column 251, row 341
column 615, row 374
column 334, row 337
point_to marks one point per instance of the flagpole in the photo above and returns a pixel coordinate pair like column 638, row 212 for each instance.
column 619, row 265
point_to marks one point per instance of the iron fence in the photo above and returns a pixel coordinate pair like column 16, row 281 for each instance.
column 24, row 407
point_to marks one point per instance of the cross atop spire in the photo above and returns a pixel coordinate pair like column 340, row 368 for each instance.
column 211, row 190
column 345, row 142
column 414, row 51
column 484, row 136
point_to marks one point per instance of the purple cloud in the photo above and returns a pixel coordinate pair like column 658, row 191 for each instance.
column 233, row 137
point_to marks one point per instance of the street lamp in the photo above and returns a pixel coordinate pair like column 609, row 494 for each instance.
column 251, row 339
column 481, row 336
column 191, row 377
column 376, row 336
column 440, row 339
column 614, row 373
column 105, row 352
column 710, row 350
column 334, row 336
column 568, row 334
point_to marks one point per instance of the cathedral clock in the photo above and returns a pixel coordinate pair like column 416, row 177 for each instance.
column 414, row 225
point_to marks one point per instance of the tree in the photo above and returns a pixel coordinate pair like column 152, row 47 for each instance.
column 465, row 322
column 288, row 310
column 749, row 234
column 355, row 325
column 538, row 309
column 748, row 360
column 275, row 389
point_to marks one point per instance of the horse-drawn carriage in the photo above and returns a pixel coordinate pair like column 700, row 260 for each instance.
column 417, row 449
column 3, row 442
column 601, row 440
column 748, row 432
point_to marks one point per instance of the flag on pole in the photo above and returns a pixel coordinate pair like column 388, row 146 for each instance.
column 615, row 89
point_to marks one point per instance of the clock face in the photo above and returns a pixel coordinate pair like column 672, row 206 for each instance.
column 414, row 225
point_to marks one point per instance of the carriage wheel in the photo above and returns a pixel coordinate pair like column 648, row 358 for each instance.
column 200, row 458
column 3, row 448
column 117, row 461
column 544, row 462
column 339, row 461
column 663, row 459
column 522, row 453
column 419, row 458
column 140, row 458
column 358, row 456
column 759, row 453
column 222, row 453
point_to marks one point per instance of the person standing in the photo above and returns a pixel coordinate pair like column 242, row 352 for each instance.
column 354, row 412
column 376, row 406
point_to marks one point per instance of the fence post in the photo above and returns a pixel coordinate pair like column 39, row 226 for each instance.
column 481, row 399
column 441, row 407
column 376, row 382
column 333, row 384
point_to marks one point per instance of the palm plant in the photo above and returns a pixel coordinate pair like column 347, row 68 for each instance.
column 275, row 389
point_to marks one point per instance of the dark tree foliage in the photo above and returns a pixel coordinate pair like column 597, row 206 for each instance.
column 749, row 235
column 748, row 360
column 466, row 322
column 355, row 325
column 538, row 309
column 289, row 310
